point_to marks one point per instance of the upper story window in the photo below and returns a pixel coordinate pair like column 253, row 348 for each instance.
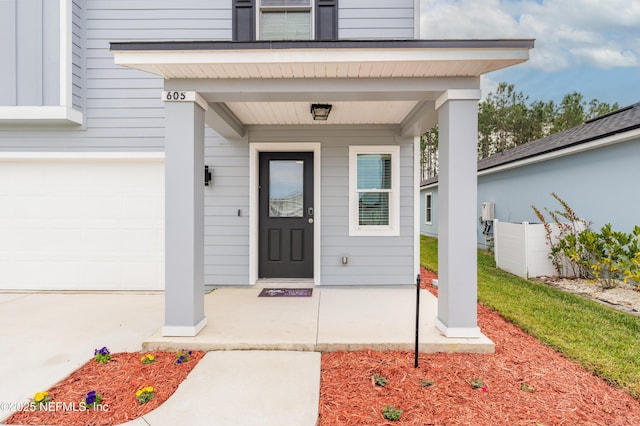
column 285, row 19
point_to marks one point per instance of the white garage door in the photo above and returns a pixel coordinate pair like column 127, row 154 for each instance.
column 82, row 222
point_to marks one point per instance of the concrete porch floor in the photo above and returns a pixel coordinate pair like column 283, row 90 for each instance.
column 332, row 319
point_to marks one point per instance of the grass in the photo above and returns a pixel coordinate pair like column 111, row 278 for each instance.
column 602, row 340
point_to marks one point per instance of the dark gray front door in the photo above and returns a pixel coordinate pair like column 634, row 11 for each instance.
column 286, row 215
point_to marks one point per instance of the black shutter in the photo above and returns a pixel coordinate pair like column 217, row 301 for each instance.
column 326, row 19
column 244, row 20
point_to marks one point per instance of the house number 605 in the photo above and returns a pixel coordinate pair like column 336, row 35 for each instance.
column 176, row 96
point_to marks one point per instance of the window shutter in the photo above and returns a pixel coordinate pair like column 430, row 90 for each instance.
column 326, row 19
column 244, row 20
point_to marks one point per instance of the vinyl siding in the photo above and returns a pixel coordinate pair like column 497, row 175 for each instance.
column 122, row 107
column 226, row 237
column 30, row 69
column 372, row 260
column 610, row 172
column 382, row 19
column 77, row 50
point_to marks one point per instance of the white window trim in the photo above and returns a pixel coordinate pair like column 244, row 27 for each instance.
column 428, row 195
column 393, row 229
column 311, row 8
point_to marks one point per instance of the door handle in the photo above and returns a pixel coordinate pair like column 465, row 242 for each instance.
column 310, row 211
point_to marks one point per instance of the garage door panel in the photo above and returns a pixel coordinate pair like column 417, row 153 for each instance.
column 82, row 224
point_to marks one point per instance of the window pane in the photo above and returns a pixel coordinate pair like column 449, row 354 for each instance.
column 286, row 188
column 373, row 208
column 285, row 25
column 374, row 171
column 286, row 2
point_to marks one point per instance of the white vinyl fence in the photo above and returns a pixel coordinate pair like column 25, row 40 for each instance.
column 521, row 248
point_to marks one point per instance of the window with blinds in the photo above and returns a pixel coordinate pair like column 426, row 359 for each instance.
column 374, row 190
column 285, row 19
column 374, row 186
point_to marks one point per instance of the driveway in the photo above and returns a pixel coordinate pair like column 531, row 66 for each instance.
column 46, row 336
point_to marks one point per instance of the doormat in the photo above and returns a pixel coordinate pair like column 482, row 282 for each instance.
column 286, row 292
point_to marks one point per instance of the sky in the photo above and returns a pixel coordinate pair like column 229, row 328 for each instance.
column 586, row 46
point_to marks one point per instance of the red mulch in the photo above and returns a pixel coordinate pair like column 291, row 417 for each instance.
column 560, row 393
column 117, row 381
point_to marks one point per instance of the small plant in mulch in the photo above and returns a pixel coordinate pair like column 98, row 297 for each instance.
column 379, row 380
column 426, row 383
column 391, row 413
column 183, row 356
column 40, row 399
column 145, row 394
column 479, row 384
column 102, row 355
column 148, row 359
column 91, row 400
column 526, row 387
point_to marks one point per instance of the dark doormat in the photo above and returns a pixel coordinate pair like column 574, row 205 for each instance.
column 286, row 292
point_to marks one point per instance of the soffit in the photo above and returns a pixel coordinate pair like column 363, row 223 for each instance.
column 367, row 82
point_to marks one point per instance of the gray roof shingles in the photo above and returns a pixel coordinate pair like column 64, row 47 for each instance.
column 619, row 121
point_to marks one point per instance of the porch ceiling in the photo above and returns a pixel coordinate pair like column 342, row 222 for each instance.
column 367, row 82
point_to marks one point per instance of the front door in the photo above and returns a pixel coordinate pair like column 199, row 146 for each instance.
column 286, row 215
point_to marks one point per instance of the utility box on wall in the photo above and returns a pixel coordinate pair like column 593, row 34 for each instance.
column 487, row 210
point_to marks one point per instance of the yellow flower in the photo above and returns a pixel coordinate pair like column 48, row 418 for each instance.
column 39, row 396
column 150, row 357
column 146, row 389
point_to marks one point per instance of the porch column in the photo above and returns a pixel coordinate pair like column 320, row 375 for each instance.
column 457, row 205
column 184, row 216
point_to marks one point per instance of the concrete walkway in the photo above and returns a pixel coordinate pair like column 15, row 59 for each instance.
column 332, row 319
column 237, row 388
column 44, row 337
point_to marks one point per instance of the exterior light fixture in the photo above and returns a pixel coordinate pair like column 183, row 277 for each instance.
column 207, row 175
column 320, row 112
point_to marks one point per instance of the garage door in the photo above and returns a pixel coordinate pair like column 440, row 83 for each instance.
column 82, row 222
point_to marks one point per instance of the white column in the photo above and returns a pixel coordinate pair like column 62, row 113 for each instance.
column 184, row 218
column 457, row 207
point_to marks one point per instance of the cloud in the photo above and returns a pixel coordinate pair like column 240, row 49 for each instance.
column 568, row 33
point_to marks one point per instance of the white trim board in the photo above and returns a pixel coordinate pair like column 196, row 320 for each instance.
column 39, row 155
column 254, row 166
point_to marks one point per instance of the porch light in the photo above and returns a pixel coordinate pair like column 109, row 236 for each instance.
column 320, row 112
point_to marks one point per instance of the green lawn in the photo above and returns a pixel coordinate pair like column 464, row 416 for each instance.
column 602, row 340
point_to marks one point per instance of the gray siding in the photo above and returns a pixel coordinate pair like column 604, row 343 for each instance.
column 598, row 185
column 226, row 251
column 30, row 69
column 77, row 49
column 372, row 260
column 385, row 19
column 122, row 107
column 429, row 229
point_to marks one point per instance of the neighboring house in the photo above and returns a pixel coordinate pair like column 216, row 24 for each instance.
column 593, row 167
column 110, row 119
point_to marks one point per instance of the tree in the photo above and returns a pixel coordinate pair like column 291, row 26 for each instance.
column 506, row 120
column 429, row 154
column 570, row 113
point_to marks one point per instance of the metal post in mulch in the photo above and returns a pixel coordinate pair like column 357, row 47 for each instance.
column 415, row 363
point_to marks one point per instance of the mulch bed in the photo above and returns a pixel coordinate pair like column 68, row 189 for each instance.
column 525, row 383
column 117, row 381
